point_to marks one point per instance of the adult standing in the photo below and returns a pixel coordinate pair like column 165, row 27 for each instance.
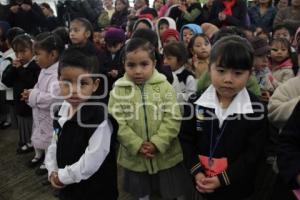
column 26, row 15
column 229, row 13
column 289, row 15
column 262, row 15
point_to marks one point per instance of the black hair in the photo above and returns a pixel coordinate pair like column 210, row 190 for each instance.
column 22, row 42
column 227, row 31
column 148, row 35
column 46, row 5
column 63, row 33
column 264, row 31
column 163, row 21
column 85, row 22
column 12, row 33
column 150, row 11
column 76, row 57
column 144, row 21
column 286, row 26
column 232, row 52
column 193, row 39
column 125, row 2
column 49, row 42
column 139, row 43
column 178, row 50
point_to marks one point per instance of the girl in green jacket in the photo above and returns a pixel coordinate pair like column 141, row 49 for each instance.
column 144, row 104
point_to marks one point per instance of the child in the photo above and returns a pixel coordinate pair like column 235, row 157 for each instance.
column 175, row 55
column 261, row 68
column 190, row 12
column 199, row 47
column 188, row 31
column 163, row 24
column 20, row 75
column 44, row 95
column 281, row 63
column 114, row 40
column 81, row 31
column 8, row 57
column 224, row 140
column 98, row 39
column 81, row 158
column 150, row 152
column 169, row 36
column 283, row 31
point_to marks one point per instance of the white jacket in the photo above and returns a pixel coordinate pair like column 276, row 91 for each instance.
column 283, row 102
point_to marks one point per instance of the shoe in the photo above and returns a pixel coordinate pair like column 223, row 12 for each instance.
column 5, row 125
column 35, row 162
column 41, row 170
column 24, row 149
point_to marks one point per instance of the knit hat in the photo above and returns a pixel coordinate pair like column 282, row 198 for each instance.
column 260, row 46
column 114, row 36
column 169, row 33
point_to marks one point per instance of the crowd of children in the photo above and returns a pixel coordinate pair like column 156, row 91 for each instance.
column 186, row 100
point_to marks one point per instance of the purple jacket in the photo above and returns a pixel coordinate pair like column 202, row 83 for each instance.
column 42, row 98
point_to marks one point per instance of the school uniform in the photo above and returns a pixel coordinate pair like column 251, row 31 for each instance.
column 227, row 143
column 83, row 153
column 186, row 84
column 24, row 77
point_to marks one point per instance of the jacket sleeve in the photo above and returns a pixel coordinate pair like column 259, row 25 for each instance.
column 214, row 14
column 245, row 166
column 92, row 8
column 288, row 159
column 9, row 75
column 126, row 136
column 239, row 20
column 283, row 102
column 189, row 140
column 50, row 158
column 170, row 125
column 42, row 99
column 279, row 18
column 192, row 16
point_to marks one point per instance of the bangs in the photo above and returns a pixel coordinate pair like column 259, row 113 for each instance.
column 232, row 55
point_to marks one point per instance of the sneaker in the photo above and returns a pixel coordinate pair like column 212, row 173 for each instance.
column 24, row 149
column 5, row 125
column 41, row 170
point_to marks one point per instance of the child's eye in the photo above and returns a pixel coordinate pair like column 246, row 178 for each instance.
column 144, row 64
column 83, row 83
column 220, row 70
column 238, row 73
column 274, row 49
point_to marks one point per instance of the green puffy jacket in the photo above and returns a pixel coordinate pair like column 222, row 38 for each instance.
column 146, row 113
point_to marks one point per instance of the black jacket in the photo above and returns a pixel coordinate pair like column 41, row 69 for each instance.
column 73, row 140
column 19, row 79
column 289, row 150
column 238, row 18
column 242, row 144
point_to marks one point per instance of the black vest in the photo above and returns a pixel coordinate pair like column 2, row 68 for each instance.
column 72, row 142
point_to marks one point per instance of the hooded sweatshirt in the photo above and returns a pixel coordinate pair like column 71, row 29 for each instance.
column 193, row 27
column 172, row 25
column 145, row 20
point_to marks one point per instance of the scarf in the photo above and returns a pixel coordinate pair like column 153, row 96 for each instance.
column 228, row 7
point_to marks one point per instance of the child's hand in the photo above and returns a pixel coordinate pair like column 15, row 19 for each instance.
column 113, row 73
column 265, row 96
column 200, row 186
column 16, row 63
column 55, row 182
column 182, row 8
column 150, row 147
column 211, row 183
column 25, row 95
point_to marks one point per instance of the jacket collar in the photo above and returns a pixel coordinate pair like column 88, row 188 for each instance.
column 155, row 78
column 241, row 103
column 52, row 69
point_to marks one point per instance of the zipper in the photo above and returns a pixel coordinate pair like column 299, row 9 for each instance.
column 146, row 120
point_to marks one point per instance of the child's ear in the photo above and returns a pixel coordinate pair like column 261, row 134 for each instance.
column 88, row 34
column 96, row 85
column 54, row 54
